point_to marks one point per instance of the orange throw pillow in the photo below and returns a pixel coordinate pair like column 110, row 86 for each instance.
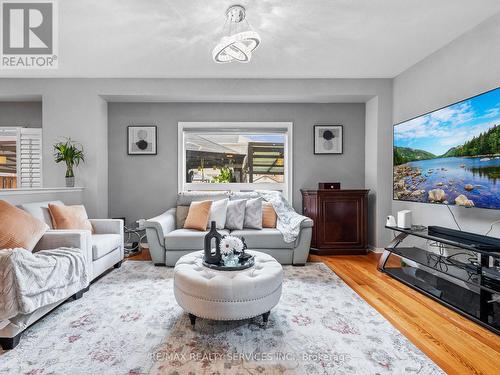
column 18, row 228
column 69, row 217
column 198, row 215
column 269, row 216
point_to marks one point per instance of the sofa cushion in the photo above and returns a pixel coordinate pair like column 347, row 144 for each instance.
column 18, row 228
column 266, row 238
column 186, row 198
column 70, row 217
column 198, row 215
column 235, row 195
column 269, row 217
column 40, row 210
column 187, row 239
column 218, row 213
column 253, row 214
column 181, row 213
column 235, row 214
column 103, row 244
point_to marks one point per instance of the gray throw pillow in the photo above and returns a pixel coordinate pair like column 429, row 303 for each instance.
column 235, row 214
column 253, row 214
column 181, row 214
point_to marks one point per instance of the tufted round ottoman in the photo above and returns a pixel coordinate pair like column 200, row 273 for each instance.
column 227, row 295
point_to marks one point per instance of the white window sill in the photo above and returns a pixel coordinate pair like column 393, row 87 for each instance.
column 27, row 191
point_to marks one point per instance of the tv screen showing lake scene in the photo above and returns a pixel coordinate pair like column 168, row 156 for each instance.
column 452, row 155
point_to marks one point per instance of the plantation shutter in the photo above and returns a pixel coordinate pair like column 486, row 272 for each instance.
column 30, row 158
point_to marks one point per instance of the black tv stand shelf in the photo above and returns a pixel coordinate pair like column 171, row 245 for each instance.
column 470, row 287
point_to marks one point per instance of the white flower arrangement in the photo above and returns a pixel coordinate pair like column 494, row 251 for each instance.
column 230, row 244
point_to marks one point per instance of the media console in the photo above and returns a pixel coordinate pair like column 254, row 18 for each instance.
column 470, row 287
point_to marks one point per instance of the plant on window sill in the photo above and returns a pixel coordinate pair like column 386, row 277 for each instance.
column 72, row 154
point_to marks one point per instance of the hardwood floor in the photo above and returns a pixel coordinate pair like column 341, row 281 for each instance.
column 456, row 344
column 143, row 255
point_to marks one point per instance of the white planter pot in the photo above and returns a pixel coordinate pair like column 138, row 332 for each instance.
column 70, row 182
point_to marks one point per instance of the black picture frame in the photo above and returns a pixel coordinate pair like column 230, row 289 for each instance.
column 152, row 136
column 339, row 128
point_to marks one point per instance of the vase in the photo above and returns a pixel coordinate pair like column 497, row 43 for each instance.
column 70, row 182
column 231, row 260
column 212, row 239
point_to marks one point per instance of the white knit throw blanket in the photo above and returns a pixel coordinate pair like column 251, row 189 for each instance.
column 288, row 220
column 29, row 281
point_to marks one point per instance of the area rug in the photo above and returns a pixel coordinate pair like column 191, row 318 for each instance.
column 129, row 323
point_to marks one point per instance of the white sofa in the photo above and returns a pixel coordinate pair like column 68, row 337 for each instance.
column 103, row 249
column 168, row 242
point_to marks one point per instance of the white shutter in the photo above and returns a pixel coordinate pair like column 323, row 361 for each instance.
column 30, row 158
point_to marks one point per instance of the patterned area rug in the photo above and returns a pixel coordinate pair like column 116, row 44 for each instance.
column 129, row 323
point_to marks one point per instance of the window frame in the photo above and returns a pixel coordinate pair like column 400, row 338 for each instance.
column 278, row 127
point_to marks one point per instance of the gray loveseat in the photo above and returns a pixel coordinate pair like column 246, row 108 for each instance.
column 168, row 242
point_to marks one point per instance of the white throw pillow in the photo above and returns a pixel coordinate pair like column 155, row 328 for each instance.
column 218, row 213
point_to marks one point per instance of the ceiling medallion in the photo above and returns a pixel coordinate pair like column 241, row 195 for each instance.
column 238, row 40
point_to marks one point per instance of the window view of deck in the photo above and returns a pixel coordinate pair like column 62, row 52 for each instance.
column 235, row 158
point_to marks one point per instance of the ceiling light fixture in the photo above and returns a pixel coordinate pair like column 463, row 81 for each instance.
column 238, row 40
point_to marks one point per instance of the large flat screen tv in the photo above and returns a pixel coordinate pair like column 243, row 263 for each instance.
column 451, row 155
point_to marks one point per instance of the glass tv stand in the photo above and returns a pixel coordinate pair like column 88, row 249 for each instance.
column 471, row 286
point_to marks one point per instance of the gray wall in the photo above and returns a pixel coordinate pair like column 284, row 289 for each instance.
column 466, row 67
column 26, row 114
column 78, row 108
column 143, row 186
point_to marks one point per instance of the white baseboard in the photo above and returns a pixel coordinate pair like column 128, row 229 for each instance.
column 375, row 249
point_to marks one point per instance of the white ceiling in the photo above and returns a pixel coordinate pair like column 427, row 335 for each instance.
column 300, row 38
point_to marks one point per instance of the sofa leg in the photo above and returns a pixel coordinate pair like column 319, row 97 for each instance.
column 192, row 318
column 265, row 317
column 79, row 294
column 119, row 264
column 8, row 343
column 160, row 264
column 298, row 264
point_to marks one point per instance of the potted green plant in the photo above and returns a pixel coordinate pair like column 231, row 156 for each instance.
column 72, row 154
column 225, row 176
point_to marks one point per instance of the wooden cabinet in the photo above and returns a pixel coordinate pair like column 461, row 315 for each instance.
column 340, row 220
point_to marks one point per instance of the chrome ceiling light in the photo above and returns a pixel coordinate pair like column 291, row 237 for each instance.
column 238, row 39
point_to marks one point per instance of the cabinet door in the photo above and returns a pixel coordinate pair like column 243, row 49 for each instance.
column 342, row 221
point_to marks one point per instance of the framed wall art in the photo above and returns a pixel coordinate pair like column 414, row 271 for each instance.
column 141, row 140
column 328, row 139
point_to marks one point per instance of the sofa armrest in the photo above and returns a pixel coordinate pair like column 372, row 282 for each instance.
column 156, row 229
column 53, row 239
column 107, row 226
column 303, row 245
column 77, row 239
column 307, row 223
column 162, row 224
column 110, row 226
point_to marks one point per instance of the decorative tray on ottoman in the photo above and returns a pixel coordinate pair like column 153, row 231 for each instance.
column 234, row 265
